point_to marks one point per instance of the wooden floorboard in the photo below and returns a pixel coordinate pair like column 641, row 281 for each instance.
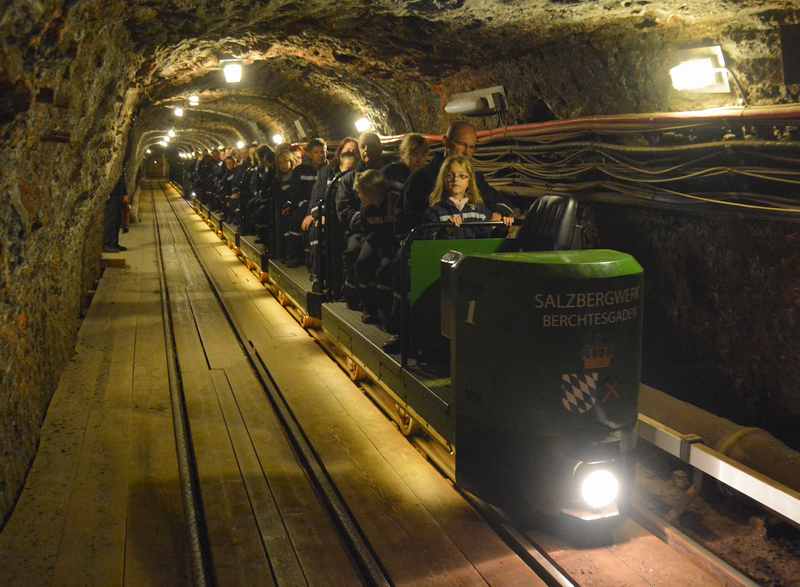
column 93, row 508
column 413, row 518
column 264, row 499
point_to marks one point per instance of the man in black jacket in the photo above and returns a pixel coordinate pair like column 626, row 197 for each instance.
column 112, row 220
column 461, row 139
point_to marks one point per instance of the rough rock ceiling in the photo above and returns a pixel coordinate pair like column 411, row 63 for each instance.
column 327, row 63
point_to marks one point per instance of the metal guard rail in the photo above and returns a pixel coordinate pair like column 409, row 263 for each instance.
column 690, row 449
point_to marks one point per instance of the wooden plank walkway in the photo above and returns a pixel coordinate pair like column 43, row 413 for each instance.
column 102, row 502
column 422, row 530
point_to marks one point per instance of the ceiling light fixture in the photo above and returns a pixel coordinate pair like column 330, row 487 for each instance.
column 148, row 151
column 278, row 139
column 194, row 100
column 162, row 142
column 178, row 111
column 171, row 133
column 232, row 72
column 240, row 144
column 701, row 69
column 363, row 124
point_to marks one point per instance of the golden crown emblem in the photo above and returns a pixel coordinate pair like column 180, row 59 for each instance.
column 597, row 356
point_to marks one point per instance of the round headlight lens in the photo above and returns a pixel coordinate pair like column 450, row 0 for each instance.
column 599, row 489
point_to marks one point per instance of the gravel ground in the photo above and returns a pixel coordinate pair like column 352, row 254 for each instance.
column 735, row 528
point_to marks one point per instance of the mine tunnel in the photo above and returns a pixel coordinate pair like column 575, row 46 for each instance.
column 400, row 292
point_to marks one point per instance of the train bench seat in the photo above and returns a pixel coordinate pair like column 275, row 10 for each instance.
column 254, row 252
column 429, row 394
column 295, row 282
column 230, row 232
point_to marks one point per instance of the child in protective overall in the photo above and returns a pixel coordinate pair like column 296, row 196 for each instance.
column 373, row 226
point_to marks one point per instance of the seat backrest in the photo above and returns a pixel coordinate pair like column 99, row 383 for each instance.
column 550, row 225
column 425, row 262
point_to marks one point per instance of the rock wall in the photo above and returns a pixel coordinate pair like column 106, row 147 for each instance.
column 722, row 309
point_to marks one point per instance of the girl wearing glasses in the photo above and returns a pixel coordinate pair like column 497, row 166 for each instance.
column 456, row 200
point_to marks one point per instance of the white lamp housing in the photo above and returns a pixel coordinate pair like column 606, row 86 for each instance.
column 277, row 139
column 479, row 102
column 301, row 131
column 701, row 69
column 233, row 73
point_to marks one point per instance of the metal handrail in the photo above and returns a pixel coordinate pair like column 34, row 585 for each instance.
column 690, row 449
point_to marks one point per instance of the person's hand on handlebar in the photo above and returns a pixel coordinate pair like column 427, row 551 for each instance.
column 507, row 220
column 306, row 224
column 456, row 219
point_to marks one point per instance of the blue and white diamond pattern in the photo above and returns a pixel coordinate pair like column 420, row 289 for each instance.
column 579, row 391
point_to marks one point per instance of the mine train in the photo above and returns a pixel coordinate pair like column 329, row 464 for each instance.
column 538, row 400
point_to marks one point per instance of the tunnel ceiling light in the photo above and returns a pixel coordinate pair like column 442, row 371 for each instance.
column 163, row 143
column 178, row 111
column 233, row 72
column 240, row 144
column 194, row 100
column 278, row 139
column 171, row 133
column 363, row 124
column 701, row 69
column 148, row 151
column 221, row 148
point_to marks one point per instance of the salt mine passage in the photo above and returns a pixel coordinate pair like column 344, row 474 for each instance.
column 412, row 292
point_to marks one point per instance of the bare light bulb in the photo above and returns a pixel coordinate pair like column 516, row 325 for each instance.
column 277, row 139
column 178, row 111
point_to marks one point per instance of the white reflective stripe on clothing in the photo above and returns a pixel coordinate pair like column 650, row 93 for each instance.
column 286, row 187
column 308, row 178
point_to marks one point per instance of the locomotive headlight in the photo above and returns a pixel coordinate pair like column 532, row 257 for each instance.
column 600, row 489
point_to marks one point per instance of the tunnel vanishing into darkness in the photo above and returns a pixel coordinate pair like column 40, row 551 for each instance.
column 86, row 87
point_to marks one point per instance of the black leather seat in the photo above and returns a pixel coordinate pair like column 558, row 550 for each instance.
column 550, row 225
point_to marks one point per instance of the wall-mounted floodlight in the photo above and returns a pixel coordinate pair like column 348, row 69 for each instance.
column 194, row 100
column 178, row 111
column 481, row 102
column 240, row 145
column 233, row 73
column 301, row 130
column 363, row 124
column 171, row 133
column 278, row 139
column 701, row 69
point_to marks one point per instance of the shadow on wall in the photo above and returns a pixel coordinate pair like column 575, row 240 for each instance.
column 722, row 309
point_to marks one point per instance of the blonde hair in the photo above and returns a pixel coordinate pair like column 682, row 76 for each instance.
column 410, row 144
column 372, row 185
column 473, row 193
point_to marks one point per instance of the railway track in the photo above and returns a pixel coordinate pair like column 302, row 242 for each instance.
column 553, row 561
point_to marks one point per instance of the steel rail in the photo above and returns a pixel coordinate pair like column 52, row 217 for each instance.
column 187, row 465
column 367, row 562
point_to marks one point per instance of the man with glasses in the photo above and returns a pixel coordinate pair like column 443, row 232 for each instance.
column 461, row 139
